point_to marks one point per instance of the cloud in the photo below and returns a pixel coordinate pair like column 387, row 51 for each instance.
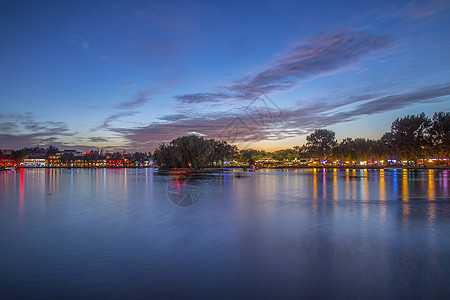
column 204, row 97
column 117, row 116
column 23, row 130
column 259, row 122
column 128, row 85
column 26, row 122
column 17, row 141
column 141, row 99
column 50, row 126
column 415, row 10
column 318, row 57
column 7, row 127
column 114, row 117
column 97, row 139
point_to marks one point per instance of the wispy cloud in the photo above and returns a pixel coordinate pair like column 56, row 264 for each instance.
column 247, row 125
column 141, row 99
column 128, row 85
column 114, row 117
column 205, row 97
column 97, row 139
column 317, row 57
column 415, row 10
column 21, row 130
column 7, row 127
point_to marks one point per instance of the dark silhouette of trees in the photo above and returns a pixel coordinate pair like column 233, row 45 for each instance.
column 321, row 142
column 410, row 136
column 285, row 154
column 250, row 155
column 51, row 150
column 67, row 158
column 138, row 157
column 18, row 156
column 440, row 134
column 355, row 149
column 193, row 152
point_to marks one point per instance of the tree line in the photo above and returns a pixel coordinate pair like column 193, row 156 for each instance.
column 410, row 138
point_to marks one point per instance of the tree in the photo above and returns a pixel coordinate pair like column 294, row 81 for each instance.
column 138, row 158
column 51, row 150
column 285, row 154
column 440, row 134
column 355, row 149
column 409, row 136
column 67, row 159
column 192, row 151
column 18, row 156
column 251, row 155
column 321, row 142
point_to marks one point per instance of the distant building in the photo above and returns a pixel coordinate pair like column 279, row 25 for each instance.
column 33, row 162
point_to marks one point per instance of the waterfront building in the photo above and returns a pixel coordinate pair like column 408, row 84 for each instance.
column 34, row 162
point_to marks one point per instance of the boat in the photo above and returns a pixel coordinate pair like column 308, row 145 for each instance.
column 4, row 169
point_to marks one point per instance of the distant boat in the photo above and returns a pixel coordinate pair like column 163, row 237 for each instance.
column 4, row 169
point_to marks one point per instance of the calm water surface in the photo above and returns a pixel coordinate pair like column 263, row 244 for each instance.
column 129, row 233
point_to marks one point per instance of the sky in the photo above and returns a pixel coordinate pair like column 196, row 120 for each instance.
column 130, row 75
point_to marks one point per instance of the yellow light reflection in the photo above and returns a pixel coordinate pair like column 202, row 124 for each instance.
column 335, row 185
column 405, row 196
column 382, row 186
column 431, row 198
column 405, row 191
column 382, row 197
column 431, row 195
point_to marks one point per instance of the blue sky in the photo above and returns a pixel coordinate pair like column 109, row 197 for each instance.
column 128, row 75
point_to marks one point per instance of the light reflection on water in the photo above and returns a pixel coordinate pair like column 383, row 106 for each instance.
column 317, row 233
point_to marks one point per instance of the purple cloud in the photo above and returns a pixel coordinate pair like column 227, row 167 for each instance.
column 129, row 85
column 417, row 11
column 114, row 117
column 97, row 139
column 141, row 99
column 258, row 123
column 316, row 57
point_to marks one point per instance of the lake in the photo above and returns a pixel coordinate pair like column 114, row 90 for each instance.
column 304, row 233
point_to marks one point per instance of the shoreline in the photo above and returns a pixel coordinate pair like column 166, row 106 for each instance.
column 268, row 168
column 365, row 167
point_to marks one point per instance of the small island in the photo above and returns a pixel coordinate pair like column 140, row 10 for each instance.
column 193, row 154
